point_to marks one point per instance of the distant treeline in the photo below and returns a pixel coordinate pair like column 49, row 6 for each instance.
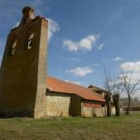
column 135, row 102
column 133, row 108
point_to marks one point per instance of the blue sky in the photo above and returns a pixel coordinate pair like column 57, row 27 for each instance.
column 85, row 36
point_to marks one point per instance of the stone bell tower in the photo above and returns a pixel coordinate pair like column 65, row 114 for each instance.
column 23, row 69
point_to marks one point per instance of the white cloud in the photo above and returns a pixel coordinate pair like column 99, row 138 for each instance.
column 100, row 47
column 114, row 59
column 134, row 77
column 81, row 71
column 131, row 66
column 84, row 44
column 53, row 28
column 131, row 70
column 74, row 82
column 117, row 58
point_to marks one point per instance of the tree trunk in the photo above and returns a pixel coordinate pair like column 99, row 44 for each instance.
column 116, row 98
column 128, row 107
column 108, row 104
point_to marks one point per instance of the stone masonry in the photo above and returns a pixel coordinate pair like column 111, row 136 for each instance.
column 23, row 69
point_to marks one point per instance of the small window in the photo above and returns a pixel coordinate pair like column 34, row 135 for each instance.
column 13, row 48
column 13, row 45
column 30, row 41
column 30, row 34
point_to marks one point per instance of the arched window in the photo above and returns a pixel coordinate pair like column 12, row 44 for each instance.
column 29, row 38
column 13, row 45
column 30, row 41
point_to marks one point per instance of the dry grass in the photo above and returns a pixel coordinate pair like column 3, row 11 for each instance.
column 114, row 128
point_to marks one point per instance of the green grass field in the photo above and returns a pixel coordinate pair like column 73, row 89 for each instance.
column 114, row 128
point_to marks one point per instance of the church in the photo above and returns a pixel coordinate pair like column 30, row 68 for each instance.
column 25, row 87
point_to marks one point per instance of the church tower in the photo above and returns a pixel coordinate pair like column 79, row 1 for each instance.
column 23, row 69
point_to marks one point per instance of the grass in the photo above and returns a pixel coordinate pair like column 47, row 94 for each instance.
column 114, row 128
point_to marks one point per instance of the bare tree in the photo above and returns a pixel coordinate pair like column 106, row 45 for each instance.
column 129, row 85
column 113, row 89
column 116, row 97
column 108, row 103
column 107, row 86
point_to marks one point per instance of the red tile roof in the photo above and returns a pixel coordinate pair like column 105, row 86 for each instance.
column 56, row 85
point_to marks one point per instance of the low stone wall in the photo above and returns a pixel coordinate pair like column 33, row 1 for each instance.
column 93, row 112
column 121, row 110
column 100, row 112
column 91, row 109
column 113, row 111
column 57, row 104
column 97, row 112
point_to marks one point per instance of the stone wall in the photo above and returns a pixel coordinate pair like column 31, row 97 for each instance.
column 93, row 112
column 23, row 71
column 58, row 104
column 113, row 111
column 96, row 110
column 92, row 109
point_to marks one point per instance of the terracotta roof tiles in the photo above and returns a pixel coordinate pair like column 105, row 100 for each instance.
column 56, row 85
